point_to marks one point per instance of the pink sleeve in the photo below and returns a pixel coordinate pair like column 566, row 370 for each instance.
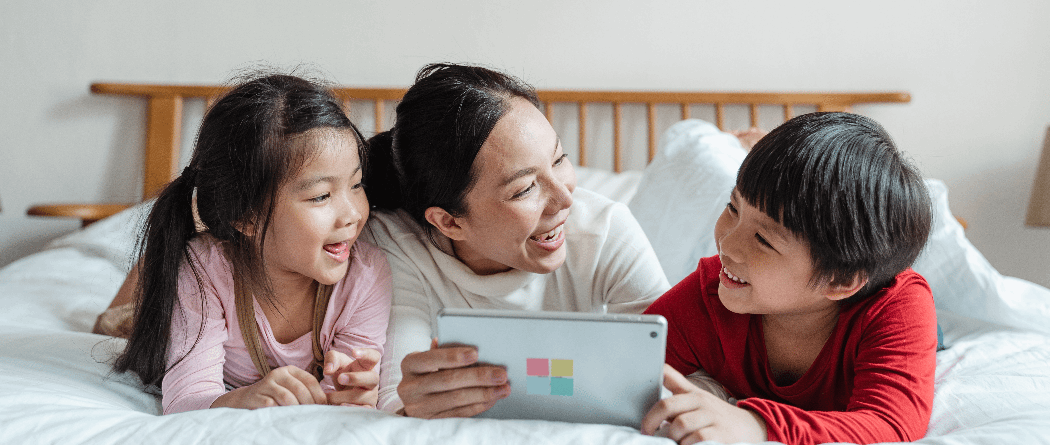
column 361, row 320
column 195, row 353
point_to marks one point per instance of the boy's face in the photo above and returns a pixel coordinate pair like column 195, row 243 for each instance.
column 765, row 268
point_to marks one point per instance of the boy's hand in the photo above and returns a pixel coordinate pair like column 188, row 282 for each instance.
column 356, row 380
column 696, row 415
column 284, row 386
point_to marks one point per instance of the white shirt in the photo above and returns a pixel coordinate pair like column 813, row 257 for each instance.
column 609, row 266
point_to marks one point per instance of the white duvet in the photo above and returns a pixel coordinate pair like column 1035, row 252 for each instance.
column 993, row 380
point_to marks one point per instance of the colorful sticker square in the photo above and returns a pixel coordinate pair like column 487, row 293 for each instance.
column 561, row 368
column 537, row 367
column 561, row 386
column 537, row 385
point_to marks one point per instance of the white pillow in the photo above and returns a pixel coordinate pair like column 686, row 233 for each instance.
column 682, row 192
column 963, row 282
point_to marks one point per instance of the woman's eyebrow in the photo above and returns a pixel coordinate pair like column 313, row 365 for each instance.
column 530, row 170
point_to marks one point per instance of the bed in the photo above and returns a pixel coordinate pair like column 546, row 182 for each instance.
column 992, row 381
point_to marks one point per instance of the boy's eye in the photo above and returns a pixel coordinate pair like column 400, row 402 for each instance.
column 731, row 207
column 762, row 240
column 320, row 198
column 561, row 159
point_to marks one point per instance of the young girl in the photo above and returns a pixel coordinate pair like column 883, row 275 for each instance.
column 809, row 314
column 272, row 293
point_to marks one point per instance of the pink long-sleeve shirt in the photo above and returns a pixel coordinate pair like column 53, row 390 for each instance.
column 356, row 317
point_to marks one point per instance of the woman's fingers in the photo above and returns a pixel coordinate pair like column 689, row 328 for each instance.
column 453, row 379
column 463, row 402
column 437, row 359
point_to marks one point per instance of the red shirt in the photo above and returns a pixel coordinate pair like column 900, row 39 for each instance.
column 872, row 381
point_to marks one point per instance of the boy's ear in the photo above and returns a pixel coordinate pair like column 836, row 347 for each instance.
column 842, row 290
column 444, row 222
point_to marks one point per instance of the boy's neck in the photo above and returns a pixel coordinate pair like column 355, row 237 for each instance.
column 809, row 325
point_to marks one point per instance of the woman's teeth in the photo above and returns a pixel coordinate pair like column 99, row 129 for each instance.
column 733, row 277
column 549, row 235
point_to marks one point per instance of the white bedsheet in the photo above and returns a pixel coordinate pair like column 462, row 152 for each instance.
column 993, row 382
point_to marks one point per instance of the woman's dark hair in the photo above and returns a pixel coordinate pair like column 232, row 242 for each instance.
column 244, row 152
column 838, row 182
column 427, row 158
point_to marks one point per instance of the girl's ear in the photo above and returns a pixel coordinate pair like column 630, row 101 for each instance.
column 444, row 222
column 843, row 290
column 246, row 227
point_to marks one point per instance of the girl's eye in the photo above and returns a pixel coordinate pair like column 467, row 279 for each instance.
column 320, row 198
column 762, row 240
column 358, row 186
column 524, row 192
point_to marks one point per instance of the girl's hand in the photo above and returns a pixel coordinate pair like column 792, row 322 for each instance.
column 356, row 379
column 442, row 383
column 284, row 386
column 696, row 415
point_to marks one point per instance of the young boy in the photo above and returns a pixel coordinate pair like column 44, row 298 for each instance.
column 809, row 315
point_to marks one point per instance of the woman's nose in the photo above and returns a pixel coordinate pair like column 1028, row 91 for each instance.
column 560, row 197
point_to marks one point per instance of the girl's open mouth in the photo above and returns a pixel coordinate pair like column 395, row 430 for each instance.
column 338, row 251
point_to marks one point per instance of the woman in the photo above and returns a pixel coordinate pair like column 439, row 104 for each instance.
column 478, row 207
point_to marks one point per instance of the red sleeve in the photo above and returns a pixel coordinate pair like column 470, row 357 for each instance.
column 893, row 344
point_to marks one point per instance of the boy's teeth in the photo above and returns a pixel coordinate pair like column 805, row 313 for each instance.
column 733, row 277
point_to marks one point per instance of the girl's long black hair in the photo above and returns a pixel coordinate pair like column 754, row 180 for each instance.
column 242, row 156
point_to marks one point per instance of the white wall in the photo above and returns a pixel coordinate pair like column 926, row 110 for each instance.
column 978, row 72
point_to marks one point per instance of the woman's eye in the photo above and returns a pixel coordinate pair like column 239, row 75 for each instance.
column 358, row 186
column 525, row 191
column 320, row 198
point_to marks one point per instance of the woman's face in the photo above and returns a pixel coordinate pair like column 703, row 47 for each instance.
column 517, row 208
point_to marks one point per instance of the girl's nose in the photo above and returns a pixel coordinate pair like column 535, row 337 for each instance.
column 348, row 213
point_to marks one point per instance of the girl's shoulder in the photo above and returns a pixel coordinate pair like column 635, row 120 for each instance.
column 207, row 250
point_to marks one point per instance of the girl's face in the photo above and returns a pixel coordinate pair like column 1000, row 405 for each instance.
column 319, row 214
column 765, row 268
column 516, row 210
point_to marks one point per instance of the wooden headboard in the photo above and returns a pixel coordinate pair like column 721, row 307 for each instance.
column 164, row 121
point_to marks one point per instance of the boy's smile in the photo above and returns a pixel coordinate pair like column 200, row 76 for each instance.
column 765, row 268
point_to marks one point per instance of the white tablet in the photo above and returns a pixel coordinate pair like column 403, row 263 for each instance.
column 566, row 366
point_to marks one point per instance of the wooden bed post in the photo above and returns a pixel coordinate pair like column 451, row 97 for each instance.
column 164, row 132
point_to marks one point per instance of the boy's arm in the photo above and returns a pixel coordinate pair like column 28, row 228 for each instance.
column 893, row 385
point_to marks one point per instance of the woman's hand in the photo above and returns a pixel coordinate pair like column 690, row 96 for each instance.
column 356, row 379
column 696, row 415
column 442, row 383
column 284, row 386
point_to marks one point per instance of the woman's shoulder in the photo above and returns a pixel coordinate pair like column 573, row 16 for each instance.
column 389, row 228
column 593, row 211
